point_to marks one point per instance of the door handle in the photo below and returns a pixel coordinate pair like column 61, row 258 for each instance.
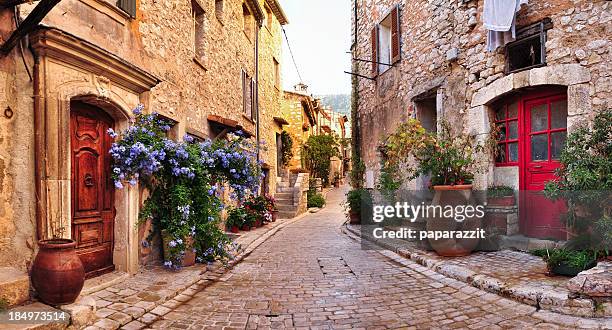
column 89, row 182
column 537, row 166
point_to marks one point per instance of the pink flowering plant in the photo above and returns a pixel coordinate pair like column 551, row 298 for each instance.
column 184, row 180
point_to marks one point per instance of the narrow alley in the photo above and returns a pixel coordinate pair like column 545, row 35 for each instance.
column 310, row 275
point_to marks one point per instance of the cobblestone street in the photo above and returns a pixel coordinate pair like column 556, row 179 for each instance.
column 310, row 275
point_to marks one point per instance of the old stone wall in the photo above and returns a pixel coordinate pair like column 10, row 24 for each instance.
column 432, row 28
column 294, row 112
column 161, row 41
column 17, row 224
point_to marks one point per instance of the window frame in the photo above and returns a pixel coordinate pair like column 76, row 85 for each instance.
column 507, row 140
column 524, row 35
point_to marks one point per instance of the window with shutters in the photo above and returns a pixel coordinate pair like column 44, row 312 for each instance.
column 128, row 6
column 248, row 89
column 277, row 74
column 386, row 42
column 199, row 30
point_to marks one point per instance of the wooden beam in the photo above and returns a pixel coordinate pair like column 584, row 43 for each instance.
column 12, row 3
column 28, row 25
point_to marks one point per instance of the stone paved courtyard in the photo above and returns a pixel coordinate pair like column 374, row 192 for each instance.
column 310, row 275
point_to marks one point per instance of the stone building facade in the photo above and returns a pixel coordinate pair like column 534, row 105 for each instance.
column 301, row 112
column 434, row 66
column 195, row 62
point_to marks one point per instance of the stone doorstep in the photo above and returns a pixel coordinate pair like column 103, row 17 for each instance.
column 83, row 311
column 557, row 300
column 14, row 286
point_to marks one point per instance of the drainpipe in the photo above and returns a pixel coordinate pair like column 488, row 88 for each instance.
column 257, row 137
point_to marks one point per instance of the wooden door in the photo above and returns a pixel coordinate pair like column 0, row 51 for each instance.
column 93, row 211
column 544, row 132
column 279, row 153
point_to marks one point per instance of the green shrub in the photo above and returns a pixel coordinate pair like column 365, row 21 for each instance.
column 315, row 200
column 579, row 260
column 500, row 191
column 317, row 153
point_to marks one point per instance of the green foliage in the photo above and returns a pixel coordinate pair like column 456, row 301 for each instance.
column 389, row 181
column 579, row 260
column 355, row 199
column 3, row 304
column 448, row 159
column 585, row 181
column 317, row 153
column 357, row 173
column 315, row 199
column 239, row 216
column 286, row 148
column 500, row 191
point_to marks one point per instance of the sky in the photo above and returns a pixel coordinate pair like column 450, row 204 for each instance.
column 319, row 33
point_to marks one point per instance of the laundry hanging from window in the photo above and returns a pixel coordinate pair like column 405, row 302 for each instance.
column 499, row 18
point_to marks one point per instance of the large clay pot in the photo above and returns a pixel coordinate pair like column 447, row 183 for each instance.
column 453, row 247
column 57, row 273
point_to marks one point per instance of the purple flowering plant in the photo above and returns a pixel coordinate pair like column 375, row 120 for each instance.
column 184, row 180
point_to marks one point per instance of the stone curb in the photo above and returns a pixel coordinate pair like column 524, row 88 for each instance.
column 551, row 305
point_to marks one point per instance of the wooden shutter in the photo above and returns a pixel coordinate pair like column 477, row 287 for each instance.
column 244, row 93
column 253, row 99
column 395, row 35
column 375, row 50
column 128, row 6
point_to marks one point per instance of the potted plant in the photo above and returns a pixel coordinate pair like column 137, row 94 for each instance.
column 183, row 177
column 57, row 272
column 449, row 161
column 354, row 203
column 500, row 196
column 567, row 262
column 235, row 219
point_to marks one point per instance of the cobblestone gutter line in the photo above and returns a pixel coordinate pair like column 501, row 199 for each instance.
column 117, row 307
column 550, row 306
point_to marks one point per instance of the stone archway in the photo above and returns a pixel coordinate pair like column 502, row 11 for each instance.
column 67, row 70
column 573, row 76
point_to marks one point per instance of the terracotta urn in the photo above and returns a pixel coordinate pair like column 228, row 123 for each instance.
column 454, row 195
column 57, row 272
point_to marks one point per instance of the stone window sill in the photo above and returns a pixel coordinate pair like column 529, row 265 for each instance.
column 199, row 63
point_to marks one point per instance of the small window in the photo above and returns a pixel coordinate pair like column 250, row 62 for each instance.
column 386, row 42
column 199, row 29
column 248, row 22
column 506, row 128
column 128, row 6
column 219, row 9
column 247, row 94
column 277, row 74
column 528, row 51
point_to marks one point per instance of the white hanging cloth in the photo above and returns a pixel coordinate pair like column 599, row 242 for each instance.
column 499, row 18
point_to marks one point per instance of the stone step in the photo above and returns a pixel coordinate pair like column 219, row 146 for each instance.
column 285, row 195
column 14, row 286
column 286, row 215
column 286, row 208
column 283, row 189
column 284, row 201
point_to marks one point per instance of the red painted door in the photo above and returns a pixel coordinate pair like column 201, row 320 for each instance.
column 93, row 210
column 544, row 134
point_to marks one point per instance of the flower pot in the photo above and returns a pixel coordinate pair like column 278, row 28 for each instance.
column 189, row 258
column 453, row 247
column 245, row 227
column 567, row 270
column 355, row 217
column 274, row 215
column 234, row 229
column 501, row 201
column 57, row 272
